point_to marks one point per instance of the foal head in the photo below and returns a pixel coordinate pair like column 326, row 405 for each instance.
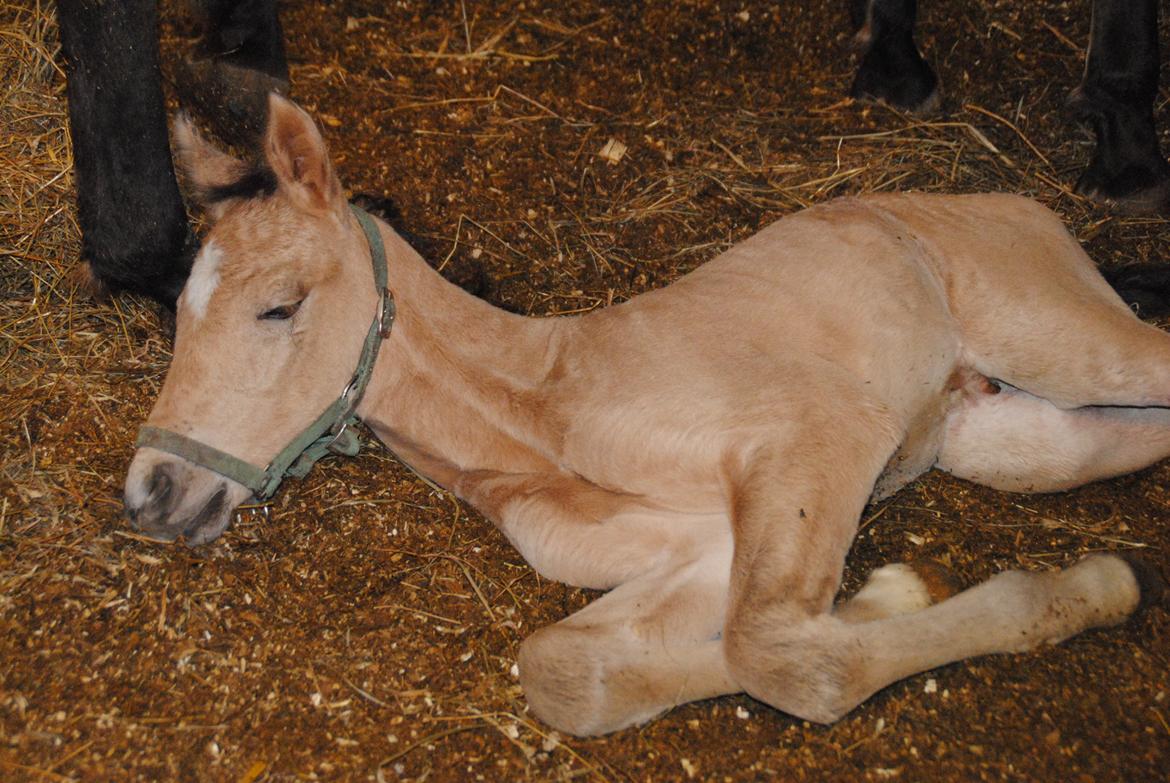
column 269, row 326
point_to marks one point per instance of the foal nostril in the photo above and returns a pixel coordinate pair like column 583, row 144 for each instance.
column 160, row 487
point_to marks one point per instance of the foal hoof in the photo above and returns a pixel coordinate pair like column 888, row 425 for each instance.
column 232, row 99
column 940, row 583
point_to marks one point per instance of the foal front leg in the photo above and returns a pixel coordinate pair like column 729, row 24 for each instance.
column 784, row 647
column 663, row 637
column 652, row 641
column 655, row 642
column 795, row 507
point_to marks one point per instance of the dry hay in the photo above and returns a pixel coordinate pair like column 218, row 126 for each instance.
column 365, row 626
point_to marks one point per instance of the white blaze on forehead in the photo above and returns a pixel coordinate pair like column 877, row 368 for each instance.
column 203, row 281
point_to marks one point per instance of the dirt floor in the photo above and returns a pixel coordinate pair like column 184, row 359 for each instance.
column 365, row 626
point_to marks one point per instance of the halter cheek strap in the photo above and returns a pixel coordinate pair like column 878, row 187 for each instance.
column 329, row 433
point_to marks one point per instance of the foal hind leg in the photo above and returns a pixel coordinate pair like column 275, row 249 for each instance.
column 1073, row 342
column 1030, row 306
column 1018, row 442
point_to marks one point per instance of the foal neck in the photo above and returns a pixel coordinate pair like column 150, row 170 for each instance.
column 458, row 386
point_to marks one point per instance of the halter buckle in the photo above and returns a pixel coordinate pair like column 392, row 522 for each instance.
column 348, row 390
column 387, row 311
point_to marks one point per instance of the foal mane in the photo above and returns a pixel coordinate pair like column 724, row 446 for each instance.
column 257, row 180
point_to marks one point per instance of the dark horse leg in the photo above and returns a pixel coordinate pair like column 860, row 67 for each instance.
column 134, row 229
column 240, row 59
column 1116, row 98
column 891, row 71
column 135, row 235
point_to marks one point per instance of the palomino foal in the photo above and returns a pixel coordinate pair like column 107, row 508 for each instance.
column 704, row 452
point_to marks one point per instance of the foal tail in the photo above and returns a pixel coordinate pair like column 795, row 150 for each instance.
column 1144, row 287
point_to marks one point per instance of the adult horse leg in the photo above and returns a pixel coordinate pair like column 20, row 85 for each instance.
column 134, row 229
column 891, row 69
column 239, row 60
column 1116, row 98
column 135, row 234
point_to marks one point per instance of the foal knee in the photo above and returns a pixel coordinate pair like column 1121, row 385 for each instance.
column 590, row 680
column 582, row 682
column 810, row 669
column 560, row 680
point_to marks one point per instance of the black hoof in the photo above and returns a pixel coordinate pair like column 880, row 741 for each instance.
column 898, row 77
column 1150, row 582
column 157, row 271
column 1144, row 287
column 1127, row 171
column 1135, row 190
column 232, row 99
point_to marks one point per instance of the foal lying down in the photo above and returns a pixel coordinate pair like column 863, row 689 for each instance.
column 703, row 452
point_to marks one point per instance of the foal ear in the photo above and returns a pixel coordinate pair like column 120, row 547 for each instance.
column 206, row 168
column 296, row 152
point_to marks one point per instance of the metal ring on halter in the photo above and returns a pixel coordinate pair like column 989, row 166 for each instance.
column 349, row 387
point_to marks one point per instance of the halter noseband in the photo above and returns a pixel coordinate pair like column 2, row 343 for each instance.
column 330, row 433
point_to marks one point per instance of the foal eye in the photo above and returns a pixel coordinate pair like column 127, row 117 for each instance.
column 282, row 313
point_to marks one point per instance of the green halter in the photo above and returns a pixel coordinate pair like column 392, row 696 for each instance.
column 330, row 433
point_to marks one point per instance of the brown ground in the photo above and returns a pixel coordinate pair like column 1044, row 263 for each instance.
column 365, row 629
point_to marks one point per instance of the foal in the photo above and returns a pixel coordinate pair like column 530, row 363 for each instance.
column 704, row 452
